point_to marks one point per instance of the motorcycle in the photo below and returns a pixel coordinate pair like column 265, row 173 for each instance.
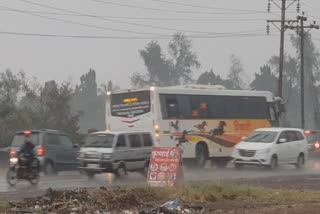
column 20, row 170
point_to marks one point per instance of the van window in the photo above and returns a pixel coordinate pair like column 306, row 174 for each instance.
column 65, row 141
column 18, row 139
column 284, row 135
column 291, row 136
column 121, row 141
column 134, row 140
column 147, row 140
column 52, row 139
column 299, row 136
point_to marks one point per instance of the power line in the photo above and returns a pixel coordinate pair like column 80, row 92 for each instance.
column 283, row 7
column 118, row 37
column 169, row 11
column 209, row 7
column 301, row 31
column 145, row 18
column 81, row 24
column 117, row 21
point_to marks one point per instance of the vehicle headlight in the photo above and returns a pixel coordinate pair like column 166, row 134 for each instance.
column 106, row 156
column 13, row 160
column 264, row 151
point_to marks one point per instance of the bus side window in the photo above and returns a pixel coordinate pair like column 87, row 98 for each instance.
column 172, row 108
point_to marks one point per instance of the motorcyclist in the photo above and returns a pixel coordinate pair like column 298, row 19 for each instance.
column 28, row 151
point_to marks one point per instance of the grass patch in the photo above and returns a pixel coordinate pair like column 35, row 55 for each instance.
column 209, row 193
column 3, row 206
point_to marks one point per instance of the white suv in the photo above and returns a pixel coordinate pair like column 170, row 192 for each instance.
column 272, row 146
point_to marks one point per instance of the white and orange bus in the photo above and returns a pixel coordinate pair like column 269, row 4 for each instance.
column 207, row 121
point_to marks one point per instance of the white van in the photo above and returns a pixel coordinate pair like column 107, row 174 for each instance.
column 272, row 146
column 116, row 152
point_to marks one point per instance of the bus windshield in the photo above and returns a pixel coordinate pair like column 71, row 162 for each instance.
column 130, row 104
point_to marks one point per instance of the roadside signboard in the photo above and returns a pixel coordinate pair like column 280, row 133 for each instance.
column 165, row 167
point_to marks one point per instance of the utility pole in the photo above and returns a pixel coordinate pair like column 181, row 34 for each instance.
column 300, row 31
column 282, row 29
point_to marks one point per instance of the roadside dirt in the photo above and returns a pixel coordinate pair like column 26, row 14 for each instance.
column 239, row 198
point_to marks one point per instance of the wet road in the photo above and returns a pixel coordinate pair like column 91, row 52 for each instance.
column 68, row 180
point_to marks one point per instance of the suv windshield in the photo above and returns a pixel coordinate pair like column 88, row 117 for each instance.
column 261, row 137
column 100, row 141
column 18, row 139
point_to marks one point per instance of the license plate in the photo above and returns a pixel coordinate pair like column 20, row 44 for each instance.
column 93, row 165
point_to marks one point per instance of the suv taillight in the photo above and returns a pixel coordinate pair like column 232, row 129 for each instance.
column 13, row 153
column 41, row 151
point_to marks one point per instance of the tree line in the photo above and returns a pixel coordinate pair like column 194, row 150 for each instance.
column 27, row 104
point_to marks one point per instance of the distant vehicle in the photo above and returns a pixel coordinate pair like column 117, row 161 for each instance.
column 54, row 149
column 313, row 142
column 270, row 147
column 116, row 152
column 207, row 121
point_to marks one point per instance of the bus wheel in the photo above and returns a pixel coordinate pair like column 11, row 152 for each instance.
column 201, row 154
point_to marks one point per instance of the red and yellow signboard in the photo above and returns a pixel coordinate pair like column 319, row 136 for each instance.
column 165, row 167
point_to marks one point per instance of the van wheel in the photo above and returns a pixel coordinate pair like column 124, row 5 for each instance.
column 201, row 155
column 300, row 162
column 121, row 171
column 48, row 169
column 273, row 163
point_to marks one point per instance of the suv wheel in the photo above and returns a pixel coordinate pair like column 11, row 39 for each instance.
column 300, row 162
column 273, row 163
column 48, row 169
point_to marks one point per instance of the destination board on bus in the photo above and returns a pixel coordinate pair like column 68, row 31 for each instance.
column 130, row 104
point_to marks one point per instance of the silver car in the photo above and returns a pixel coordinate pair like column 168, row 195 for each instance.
column 54, row 149
column 116, row 152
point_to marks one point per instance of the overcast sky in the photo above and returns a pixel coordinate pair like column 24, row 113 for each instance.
column 115, row 59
